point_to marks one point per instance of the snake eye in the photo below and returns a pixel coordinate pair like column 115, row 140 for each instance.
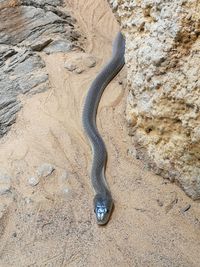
column 107, row 210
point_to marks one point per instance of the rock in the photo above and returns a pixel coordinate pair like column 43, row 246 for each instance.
column 31, row 82
column 70, row 66
column 45, row 170
column 30, row 63
column 35, row 24
column 27, row 27
column 80, row 62
column 9, row 106
column 14, row 234
column 58, row 46
column 90, row 61
column 5, row 53
column 42, row 3
column 25, row 71
column 79, row 70
column 66, row 190
column 39, row 45
column 162, row 59
column 5, row 183
column 2, row 209
column 33, row 180
column 28, row 200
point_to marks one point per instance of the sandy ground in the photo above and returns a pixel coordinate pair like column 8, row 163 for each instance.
column 52, row 224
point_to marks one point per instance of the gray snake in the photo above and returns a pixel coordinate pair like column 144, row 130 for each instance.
column 103, row 202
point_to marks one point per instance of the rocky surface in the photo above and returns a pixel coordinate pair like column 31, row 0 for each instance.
column 5, row 183
column 26, row 28
column 162, row 58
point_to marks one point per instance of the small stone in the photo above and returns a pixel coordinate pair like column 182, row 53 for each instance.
column 14, row 234
column 160, row 202
column 186, row 208
column 28, row 200
column 33, row 180
column 4, row 183
column 2, row 210
column 90, row 62
column 70, row 66
column 79, row 70
column 66, row 190
column 45, row 170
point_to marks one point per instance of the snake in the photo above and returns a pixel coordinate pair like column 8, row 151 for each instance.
column 103, row 202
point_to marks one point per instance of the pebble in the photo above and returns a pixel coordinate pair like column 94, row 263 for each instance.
column 79, row 70
column 45, row 170
column 14, row 234
column 186, row 208
column 80, row 63
column 90, row 62
column 2, row 210
column 4, row 183
column 65, row 190
column 28, row 200
column 70, row 66
column 33, row 180
column 160, row 202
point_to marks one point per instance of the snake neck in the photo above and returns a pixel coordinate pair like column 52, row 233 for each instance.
column 99, row 182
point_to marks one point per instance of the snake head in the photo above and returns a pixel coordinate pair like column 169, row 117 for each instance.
column 103, row 206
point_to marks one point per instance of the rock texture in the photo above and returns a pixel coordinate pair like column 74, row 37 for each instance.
column 5, row 181
column 26, row 28
column 162, row 58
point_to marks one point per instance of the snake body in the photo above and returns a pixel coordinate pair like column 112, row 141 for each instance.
column 103, row 202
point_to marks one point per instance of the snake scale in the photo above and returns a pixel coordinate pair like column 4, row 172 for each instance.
column 103, row 202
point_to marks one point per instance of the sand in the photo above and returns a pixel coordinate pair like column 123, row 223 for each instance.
column 52, row 223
